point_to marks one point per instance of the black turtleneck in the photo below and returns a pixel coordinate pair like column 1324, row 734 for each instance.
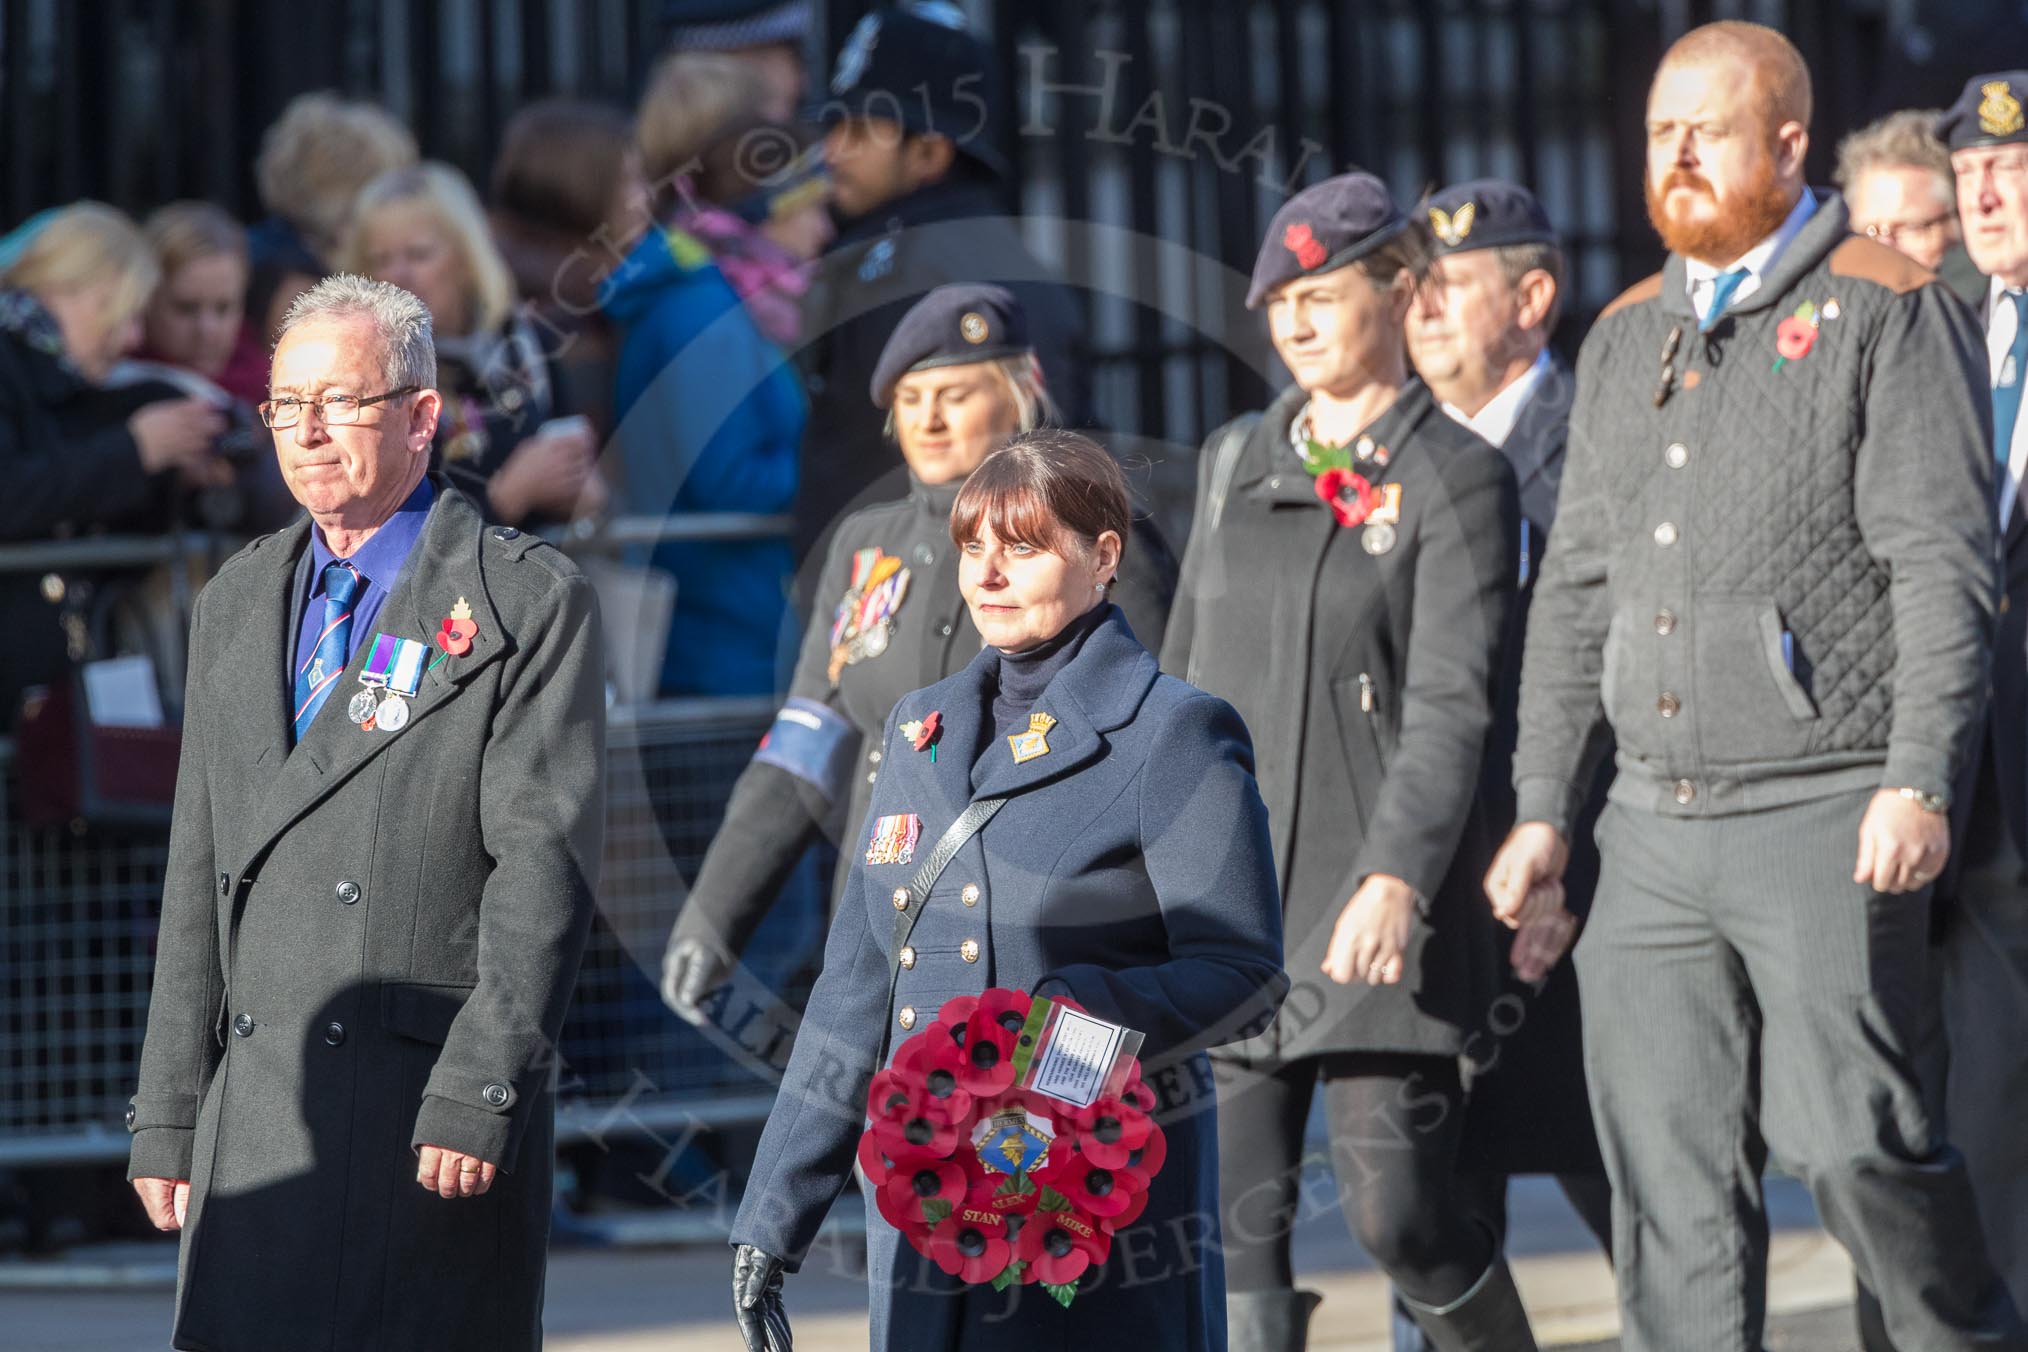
column 1023, row 676
column 938, row 499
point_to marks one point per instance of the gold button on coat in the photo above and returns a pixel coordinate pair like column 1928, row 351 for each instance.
column 906, row 1018
column 1668, row 705
column 970, row 896
column 969, row 950
column 901, row 898
column 1686, row 792
column 908, row 957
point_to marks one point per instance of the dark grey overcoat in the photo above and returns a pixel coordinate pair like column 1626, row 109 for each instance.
column 367, row 945
column 1129, row 865
column 1368, row 682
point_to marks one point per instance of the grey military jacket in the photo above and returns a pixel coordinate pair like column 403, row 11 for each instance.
column 367, row 944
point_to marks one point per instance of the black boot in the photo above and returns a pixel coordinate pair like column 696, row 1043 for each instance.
column 1275, row 1320
column 1487, row 1318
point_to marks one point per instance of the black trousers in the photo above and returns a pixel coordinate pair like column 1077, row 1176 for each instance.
column 1394, row 1121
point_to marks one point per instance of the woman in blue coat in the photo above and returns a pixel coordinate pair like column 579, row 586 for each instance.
column 1128, row 868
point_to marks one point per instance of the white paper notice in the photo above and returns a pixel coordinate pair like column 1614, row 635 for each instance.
column 121, row 693
column 1077, row 1057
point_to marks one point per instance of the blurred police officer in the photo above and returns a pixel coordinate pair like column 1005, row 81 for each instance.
column 1479, row 337
column 1985, row 925
column 914, row 120
column 1773, row 575
column 769, row 35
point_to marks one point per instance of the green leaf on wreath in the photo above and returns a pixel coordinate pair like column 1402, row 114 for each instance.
column 1065, row 1292
column 1317, row 457
column 1009, row 1275
column 1020, row 1185
column 1052, row 1200
column 935, row 1209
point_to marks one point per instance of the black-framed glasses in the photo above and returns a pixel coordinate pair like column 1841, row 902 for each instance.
column 336, row 410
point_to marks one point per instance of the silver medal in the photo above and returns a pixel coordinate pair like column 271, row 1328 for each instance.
column 392, row 716
column 361, row 707
column 875, row 639
column 1377, row 538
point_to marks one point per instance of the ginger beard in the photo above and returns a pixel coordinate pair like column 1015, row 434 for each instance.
column 1748, row 215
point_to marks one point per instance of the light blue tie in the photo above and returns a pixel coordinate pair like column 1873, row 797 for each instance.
column 1721, row 296
column 2007, row 389
column 333, row 648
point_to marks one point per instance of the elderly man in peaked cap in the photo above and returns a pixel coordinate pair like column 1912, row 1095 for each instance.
column 387, row 822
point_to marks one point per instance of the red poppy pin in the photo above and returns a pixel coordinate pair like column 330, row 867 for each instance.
column 458, row 630
column 922, row 733
column 1351, row 498
column 1797, row 334
column 1298, row 240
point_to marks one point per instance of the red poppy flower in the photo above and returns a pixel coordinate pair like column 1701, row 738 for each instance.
column 904, row 1215
column 871, row 1162
column 1144, row 1163
column 1298, row 240
column 907, row 1125
column 930, row 1064
column 913, row 1184
column 1350, row 496
column 1091, row 1189
column 1058, row 1246
column 1136, row 1094
column 1794, row 337
column 971, row 1245
column 930, row 729
column 1109, row 1131
column 990, row 1039
column 1115, row 1224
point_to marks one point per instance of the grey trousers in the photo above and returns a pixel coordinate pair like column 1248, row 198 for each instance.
column 1741, row 991
column 1984, row 956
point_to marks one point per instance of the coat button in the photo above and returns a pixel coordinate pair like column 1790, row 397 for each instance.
column 496, row 1094
column 243, row 1025
column 908, row 958
column 906, row 1018
column 1665, row 534
column 1668, row 705
column 943, row 631
column 873, row 756
column 970, row 896
column 334, row 1034
column 1686, row 792
column 1677, row 456
column 225, row 884
column 53, row 588
column 969, row 950
column 1665, row 622
column 348, row 892
column 925, row 556
column 1275, row 482
column 130, row 1117
column 872, row 776
column 901, row 898
column 506, row 533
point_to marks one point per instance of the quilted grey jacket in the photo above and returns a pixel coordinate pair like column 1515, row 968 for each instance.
column 1773, row 575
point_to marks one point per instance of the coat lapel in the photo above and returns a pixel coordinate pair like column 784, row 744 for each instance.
column 444, row 566
column 1098, row 691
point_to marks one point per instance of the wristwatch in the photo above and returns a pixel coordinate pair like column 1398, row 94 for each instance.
column 1928, row 802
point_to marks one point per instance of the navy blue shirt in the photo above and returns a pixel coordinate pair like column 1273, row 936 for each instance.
column 379, row 562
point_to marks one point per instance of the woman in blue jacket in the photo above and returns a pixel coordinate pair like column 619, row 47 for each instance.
column 1127, row 867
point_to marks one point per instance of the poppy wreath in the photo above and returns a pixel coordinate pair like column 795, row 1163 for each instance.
column 996, row 1184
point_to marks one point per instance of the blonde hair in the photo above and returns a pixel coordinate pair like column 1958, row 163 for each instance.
column 183, row 232
column 82, row 245
column 1021, row 375
column 319, row 154
column 694, row 100
column 448, row 196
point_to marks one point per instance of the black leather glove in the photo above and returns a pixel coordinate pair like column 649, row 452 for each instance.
column 692, row 968
column 757, row 1299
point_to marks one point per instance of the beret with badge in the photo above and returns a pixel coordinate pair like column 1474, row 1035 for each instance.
column 1988, row 113
column 917, row 64
column 1321, row 229
column 1487, row 213
column 952, row 325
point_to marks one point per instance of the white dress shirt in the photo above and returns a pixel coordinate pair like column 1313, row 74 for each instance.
column 1703, row 277
column 2000, row 322
column 1495, row 422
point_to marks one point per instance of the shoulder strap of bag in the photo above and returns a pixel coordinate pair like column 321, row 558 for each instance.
column 1225, row 464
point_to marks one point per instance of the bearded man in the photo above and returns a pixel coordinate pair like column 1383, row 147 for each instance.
column 1773, row 576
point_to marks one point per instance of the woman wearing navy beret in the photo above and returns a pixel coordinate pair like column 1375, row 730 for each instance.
column 1346, row 586
column 1126, row 867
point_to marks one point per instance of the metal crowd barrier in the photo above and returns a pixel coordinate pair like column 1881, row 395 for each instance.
column 79, row 911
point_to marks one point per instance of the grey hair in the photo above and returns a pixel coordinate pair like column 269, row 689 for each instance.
column 1034, row 408
column 401, row 320
column 1903, row 140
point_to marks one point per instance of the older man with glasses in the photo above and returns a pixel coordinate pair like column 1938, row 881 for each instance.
column 1896, row 179
column 388, row 819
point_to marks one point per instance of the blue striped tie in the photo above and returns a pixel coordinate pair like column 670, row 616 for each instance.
column 1721, row 296
column 334, row 645
column 2007, row 388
